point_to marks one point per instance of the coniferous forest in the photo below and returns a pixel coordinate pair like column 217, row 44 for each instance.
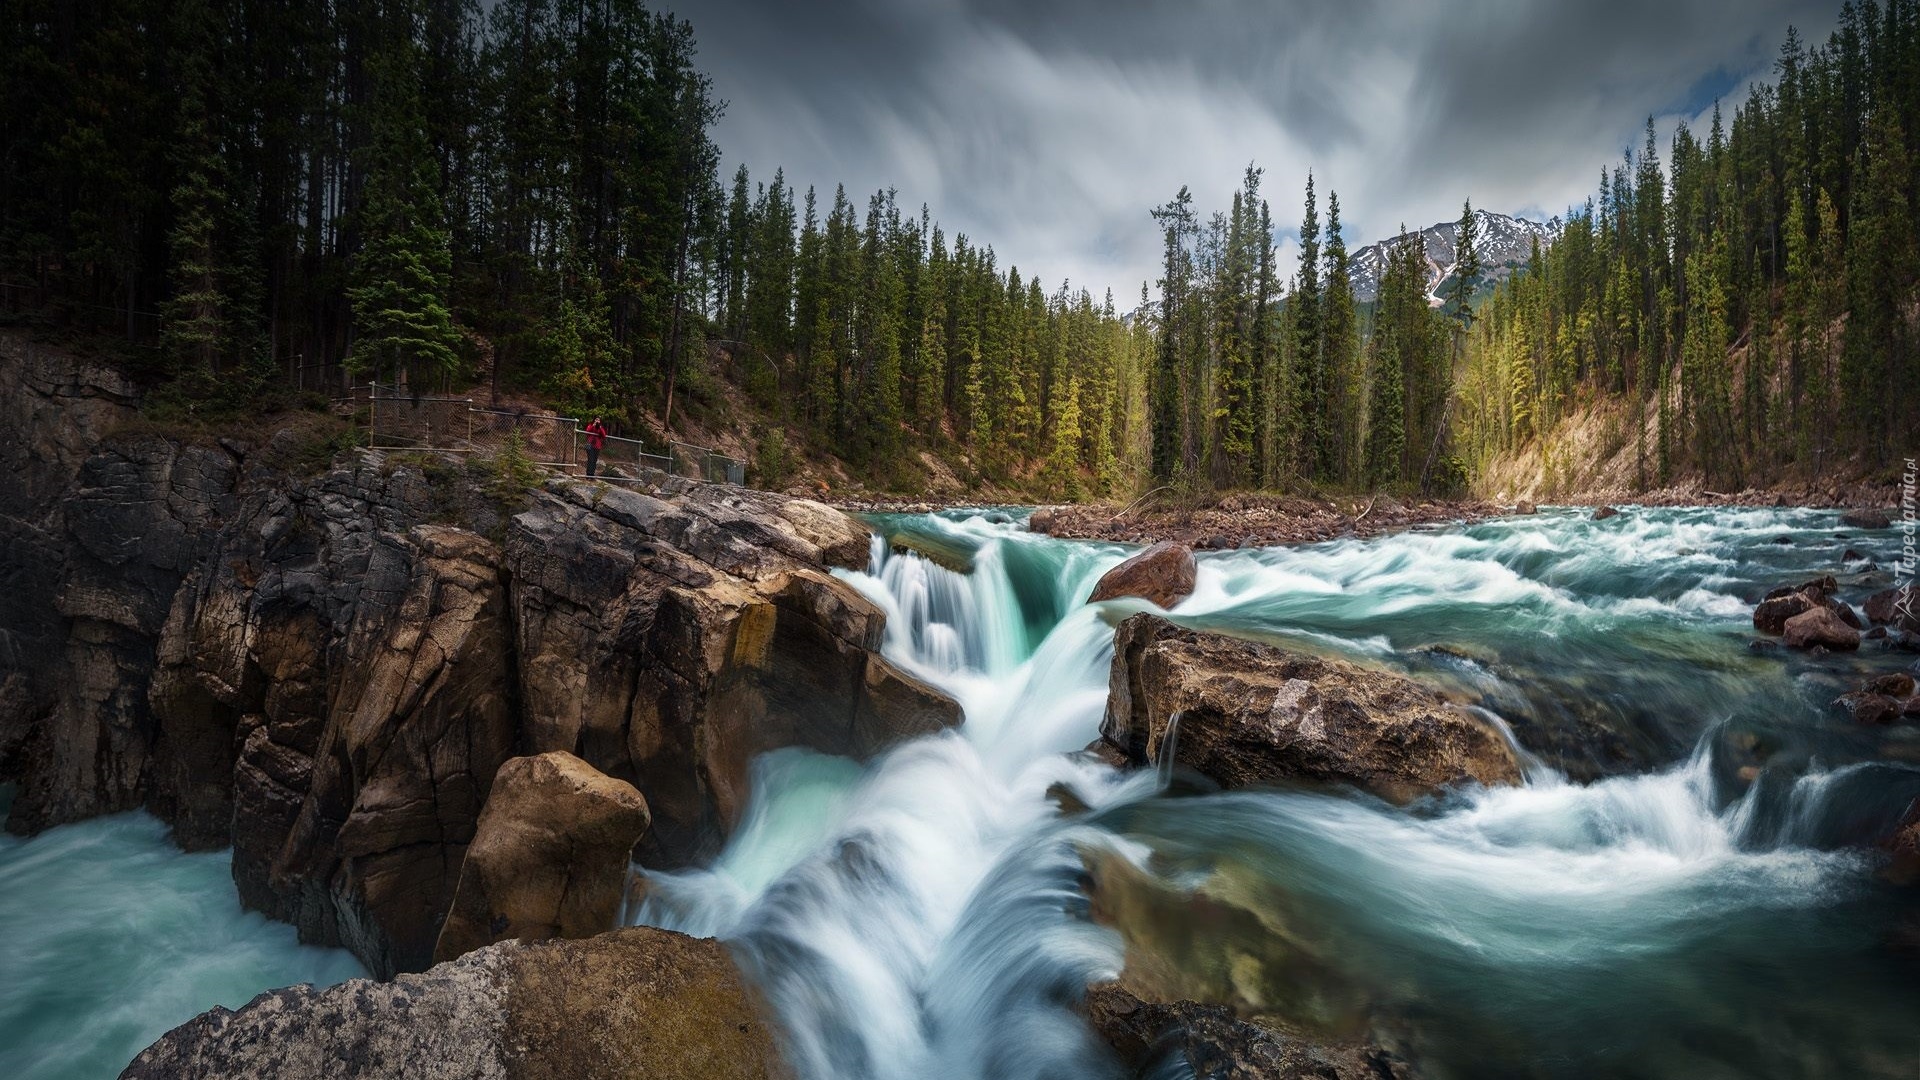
column 527, row 196
column 1747, row 305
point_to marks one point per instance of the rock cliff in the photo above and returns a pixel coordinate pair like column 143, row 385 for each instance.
column 326, row 666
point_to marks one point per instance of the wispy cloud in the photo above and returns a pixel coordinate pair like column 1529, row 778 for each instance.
column 1050, row 129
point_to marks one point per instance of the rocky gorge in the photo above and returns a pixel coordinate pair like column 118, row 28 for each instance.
column 466, row 728
column 331, row 666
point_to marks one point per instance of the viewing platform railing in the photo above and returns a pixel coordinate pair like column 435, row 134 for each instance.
column 401, row 420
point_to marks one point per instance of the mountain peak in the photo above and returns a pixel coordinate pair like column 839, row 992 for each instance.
column 1505, row 245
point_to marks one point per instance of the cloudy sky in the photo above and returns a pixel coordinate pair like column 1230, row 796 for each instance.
column 1048, row 129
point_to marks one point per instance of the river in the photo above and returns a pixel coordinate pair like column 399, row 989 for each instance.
column 110, row 936
column 1641, row 907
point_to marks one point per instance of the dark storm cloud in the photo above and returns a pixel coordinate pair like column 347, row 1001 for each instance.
column 1049, row 129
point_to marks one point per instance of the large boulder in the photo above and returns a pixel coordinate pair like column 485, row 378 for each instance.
column 1771, row 614
column 1255, row 714
column 631, row 1003
column 1211, row 1041
column 1604, row 512
column 1899, row 606
column 1163, row 574
column 1820, row 626
column 549, row 857
column 1865, row 518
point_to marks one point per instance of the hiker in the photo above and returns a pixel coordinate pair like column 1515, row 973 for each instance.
column 596, row 441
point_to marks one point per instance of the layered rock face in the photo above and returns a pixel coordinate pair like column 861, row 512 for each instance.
column 638, row 1002
column 669, row 640
column 1252, row 714
column 327, row 671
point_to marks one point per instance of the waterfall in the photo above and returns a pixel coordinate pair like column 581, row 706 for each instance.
column 923, row 915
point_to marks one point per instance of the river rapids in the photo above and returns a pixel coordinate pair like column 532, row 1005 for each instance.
column 1683, row 888
column 1679, row 890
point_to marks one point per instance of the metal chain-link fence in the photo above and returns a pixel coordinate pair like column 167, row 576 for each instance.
column 624, row 459
column 400, row 420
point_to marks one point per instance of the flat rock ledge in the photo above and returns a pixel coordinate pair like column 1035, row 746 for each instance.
column 637, row 1002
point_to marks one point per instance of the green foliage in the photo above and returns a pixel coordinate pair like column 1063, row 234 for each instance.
column 582, row 344
column 511, row 474
column 306, row 188
column 773, row 462
column 401, row 278
column 1753, row 296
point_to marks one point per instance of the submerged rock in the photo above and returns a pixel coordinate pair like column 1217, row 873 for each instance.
column 1252, row 714
column 1771, row 614
column 1820, row 626
column 1865, row 518
column 1163, row 574
column 1211, row 1041
column 638, row 1002
column 1881, row 700
column 1602, row 513
column 1899, row 684
column 549, row 857
column 1869, row 708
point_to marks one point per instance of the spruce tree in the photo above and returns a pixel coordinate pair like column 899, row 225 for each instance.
column 402, row 325
column 1309, row 397
column 196, row 333
column 1176, row 225
column 1339, row 349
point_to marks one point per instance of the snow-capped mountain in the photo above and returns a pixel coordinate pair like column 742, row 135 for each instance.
column 1505, row 244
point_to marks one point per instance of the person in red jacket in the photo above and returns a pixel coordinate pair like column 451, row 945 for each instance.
column 596, row 441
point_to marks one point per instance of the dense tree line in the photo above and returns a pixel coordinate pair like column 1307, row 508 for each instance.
column 527, row 193
column 429, row 191
column 1259, row 383
column 304, row 184
column 878, row 336
column 1750, row 302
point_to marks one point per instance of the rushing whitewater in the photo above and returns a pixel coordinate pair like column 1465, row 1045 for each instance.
column 1636, row 910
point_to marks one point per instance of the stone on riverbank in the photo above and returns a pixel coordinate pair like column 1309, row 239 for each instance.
column 1865, row 518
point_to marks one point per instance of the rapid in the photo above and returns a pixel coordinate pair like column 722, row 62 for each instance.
column 1679, row 890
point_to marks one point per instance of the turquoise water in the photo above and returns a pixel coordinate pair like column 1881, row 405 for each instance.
column 1679, row 890
column 110, row 936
